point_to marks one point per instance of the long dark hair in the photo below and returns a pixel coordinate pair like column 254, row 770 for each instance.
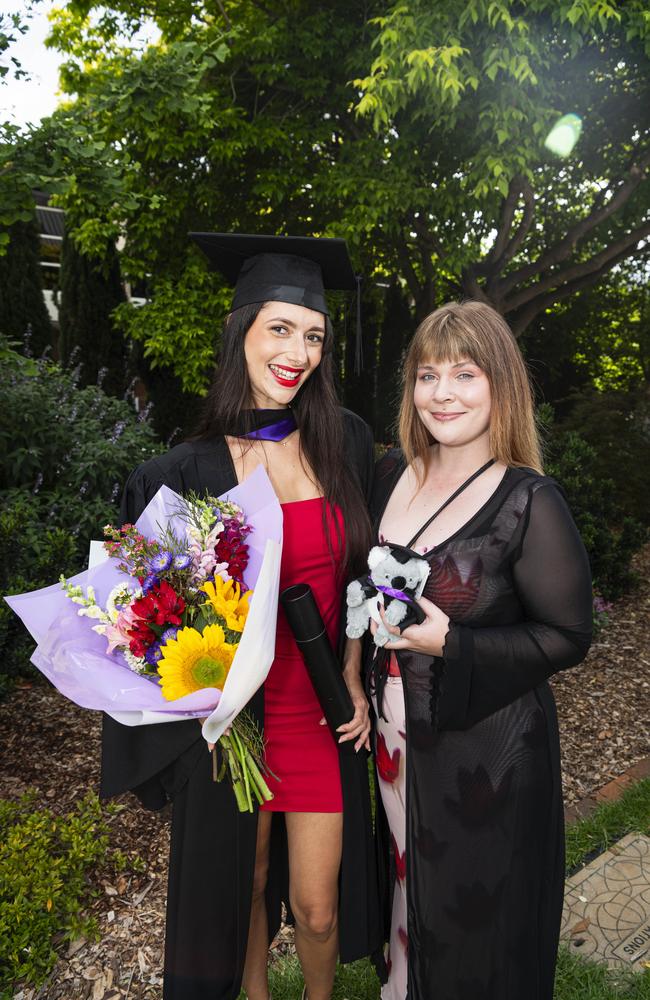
column 319, row 418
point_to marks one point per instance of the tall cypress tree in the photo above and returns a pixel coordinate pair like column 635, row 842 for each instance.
column 396, row 330
column 89, row 290
column 22, row 306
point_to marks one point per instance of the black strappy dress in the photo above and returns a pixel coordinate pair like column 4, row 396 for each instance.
column 484, row 821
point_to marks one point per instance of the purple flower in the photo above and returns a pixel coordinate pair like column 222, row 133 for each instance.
column 601, row 606
column 168, row 634
column 160, row 562
column 153, row 654
column 182, row 561
column 150, row 581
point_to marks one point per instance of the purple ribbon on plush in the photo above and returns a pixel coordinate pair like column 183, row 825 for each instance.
column 274, row 432
column 398, row 594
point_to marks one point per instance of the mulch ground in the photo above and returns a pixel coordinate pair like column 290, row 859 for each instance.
column 51, row 745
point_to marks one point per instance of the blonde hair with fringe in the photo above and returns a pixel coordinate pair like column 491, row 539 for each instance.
column 475, row 332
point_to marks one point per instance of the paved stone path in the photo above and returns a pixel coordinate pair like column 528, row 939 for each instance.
column 607, row 905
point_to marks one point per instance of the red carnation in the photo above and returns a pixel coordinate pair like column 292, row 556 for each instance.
column 387, row 766
column 161, row 606
column 400, row 860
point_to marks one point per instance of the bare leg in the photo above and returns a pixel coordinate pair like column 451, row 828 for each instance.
column 255, row 979
column 314, row 861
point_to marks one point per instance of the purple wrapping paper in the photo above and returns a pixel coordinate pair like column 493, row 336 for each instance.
column 74, row 658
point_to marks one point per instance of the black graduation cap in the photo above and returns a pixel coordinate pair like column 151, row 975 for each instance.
column 294, row 269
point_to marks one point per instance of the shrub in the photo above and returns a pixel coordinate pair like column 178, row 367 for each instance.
column 44, row 865
column 610, row 536
column 63, row 462
column 75, row 444
column 616, row 424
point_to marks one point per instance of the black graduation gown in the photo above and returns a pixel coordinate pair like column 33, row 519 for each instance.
column 213, row 845
column 484, row 823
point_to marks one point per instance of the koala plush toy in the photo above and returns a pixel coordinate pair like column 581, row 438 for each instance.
column 396, row 579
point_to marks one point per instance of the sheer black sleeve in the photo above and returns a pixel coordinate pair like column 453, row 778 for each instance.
column 488, row 668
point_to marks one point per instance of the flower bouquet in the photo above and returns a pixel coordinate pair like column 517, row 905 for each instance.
column 176, row 621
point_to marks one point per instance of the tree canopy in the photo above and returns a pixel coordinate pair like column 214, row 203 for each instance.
column 415, row 130
column 11, row 27
column 485, row 82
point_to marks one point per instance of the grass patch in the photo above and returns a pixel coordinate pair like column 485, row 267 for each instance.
column 578, row 979
column 357, row 981
column 610, row 822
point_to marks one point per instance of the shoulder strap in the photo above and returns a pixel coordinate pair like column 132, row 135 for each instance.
column 453, row 496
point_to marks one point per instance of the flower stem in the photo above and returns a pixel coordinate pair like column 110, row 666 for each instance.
column 242, row 754
column 243, row 749
column 259, row 783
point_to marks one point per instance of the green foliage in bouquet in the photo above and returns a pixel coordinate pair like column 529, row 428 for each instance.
column 65, row 454
column 44, row 865
column 611, row 537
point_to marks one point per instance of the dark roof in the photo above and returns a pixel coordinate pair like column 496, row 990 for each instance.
column 50, row 221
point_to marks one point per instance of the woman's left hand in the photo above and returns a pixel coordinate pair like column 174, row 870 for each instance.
column 427, row 638
column 358, row 728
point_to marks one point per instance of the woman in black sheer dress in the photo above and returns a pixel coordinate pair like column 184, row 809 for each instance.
column 467, row 739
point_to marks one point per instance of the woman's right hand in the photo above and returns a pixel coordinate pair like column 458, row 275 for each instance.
column 211, row 746
column 428, row 637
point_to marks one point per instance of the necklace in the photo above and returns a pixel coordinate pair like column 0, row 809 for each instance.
column 285, row 440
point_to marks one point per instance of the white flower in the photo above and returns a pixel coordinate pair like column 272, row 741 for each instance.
column 137, row 664
column 75, row 593
column 93, row 611
column 119, row 598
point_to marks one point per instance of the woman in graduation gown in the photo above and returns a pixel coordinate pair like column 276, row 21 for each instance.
column 467, row 739
column 311, row 846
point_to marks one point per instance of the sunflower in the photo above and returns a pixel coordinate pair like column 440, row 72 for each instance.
column 228, row 602
column 193, row 661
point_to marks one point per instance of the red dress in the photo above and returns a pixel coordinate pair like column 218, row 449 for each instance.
column 299, row 751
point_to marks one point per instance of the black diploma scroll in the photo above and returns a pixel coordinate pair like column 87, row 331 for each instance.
column 308, row 629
